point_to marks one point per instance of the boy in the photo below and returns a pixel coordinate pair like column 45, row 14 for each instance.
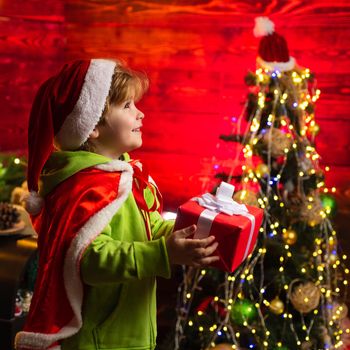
column 101, row 238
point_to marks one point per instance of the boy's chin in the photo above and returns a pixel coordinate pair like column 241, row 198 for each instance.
column 135, row 146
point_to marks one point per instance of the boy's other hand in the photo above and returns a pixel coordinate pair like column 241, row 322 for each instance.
column 191, row 252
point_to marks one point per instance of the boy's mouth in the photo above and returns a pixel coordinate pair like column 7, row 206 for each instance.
column 136, row 129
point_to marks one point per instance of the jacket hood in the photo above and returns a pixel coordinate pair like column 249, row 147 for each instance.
column 63, row 164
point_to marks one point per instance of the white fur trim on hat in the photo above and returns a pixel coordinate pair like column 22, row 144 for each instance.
column 88, row 110
column 277, row 66
column 263, row 26
column 71, row 273
column 33, row 202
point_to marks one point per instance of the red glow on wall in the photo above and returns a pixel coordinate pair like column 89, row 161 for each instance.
column 196, row 54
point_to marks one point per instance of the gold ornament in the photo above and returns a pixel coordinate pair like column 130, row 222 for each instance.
column 246, row 197
column 289, row 236
column 308, row 209
column 312, row 211
column 262, row 170
column 276, row 306
column 305, row 297
column 279, row 142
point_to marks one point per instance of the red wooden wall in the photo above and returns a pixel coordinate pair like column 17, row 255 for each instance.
column 196, row 54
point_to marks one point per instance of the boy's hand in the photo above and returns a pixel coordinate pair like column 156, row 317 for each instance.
column 191, row 252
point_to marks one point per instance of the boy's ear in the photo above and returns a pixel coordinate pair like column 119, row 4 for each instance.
column 94, row 134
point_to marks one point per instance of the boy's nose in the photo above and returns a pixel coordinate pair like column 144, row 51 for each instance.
column 140, row 115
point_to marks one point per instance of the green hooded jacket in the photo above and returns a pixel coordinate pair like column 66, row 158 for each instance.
column 118, row 269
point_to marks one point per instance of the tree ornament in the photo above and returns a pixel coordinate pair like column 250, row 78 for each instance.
column 281, row 160
column 246, row 197
column 262, row 170
column 305, row 297
column 306, row 209
column 311, row 211
column 243, row 310
column 277, row 141
column 210, row 303
column 329, row 204
column 289, row 236
column 276, row 306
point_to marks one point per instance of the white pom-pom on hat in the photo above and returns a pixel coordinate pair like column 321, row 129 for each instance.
column 33, row 202
column 263, row 26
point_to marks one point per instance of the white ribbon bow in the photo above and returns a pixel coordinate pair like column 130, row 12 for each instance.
column 222, row 202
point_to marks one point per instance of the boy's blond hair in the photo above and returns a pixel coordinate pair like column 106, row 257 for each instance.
column 126, row 83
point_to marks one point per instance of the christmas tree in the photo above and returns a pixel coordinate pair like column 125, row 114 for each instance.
column 289, row 293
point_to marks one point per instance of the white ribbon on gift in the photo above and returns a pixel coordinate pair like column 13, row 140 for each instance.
column 222, row 202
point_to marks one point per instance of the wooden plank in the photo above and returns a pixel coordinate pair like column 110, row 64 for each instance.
column 196, row 54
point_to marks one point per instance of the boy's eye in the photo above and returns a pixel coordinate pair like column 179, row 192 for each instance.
column 127, row 105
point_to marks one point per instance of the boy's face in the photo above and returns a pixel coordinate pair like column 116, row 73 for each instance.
column 122, row 130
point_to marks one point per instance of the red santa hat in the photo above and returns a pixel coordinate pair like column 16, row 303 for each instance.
column 65, row 111
column 273, row 53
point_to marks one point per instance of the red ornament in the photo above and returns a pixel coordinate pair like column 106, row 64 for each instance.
column 216, row 305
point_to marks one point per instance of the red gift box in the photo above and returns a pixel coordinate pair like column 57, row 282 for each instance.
column 236, row 233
